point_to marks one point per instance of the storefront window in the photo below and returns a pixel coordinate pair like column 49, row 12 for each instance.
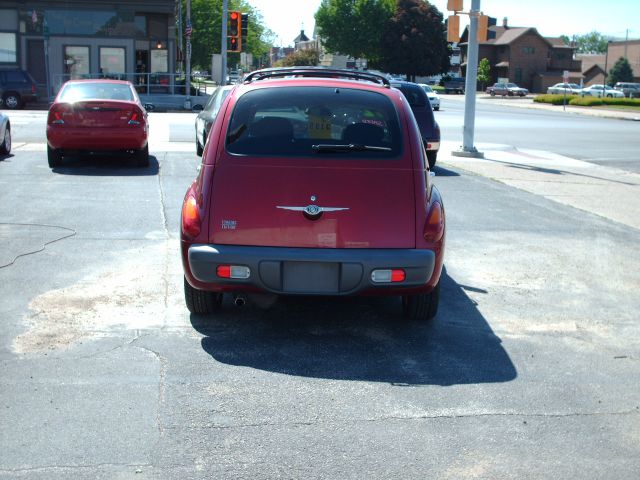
column 159, row 61
column 76, row 61
column 84, row 22
column 8, row 52
column 112, row 61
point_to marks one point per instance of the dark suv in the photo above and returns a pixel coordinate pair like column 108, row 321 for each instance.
column 17, row 88
column 421, row 108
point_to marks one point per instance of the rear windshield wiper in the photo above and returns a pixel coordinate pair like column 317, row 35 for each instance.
column 330, row 148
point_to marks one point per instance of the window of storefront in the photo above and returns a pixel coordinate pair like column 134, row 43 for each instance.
column 8, row 49
column 112, row 61
column 76, row 61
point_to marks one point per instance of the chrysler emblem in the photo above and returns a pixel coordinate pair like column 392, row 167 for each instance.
column 312, row 211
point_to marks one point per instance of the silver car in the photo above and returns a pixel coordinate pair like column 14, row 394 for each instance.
column 5, row 135
column 434, row 99
column 562, row 88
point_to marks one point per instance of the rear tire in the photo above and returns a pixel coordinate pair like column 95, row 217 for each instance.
column 423, row 306
column 201, row 301
column 12, row 101
column 432, row 155
column 54, row 156
column 5, row 147
column 142, row 157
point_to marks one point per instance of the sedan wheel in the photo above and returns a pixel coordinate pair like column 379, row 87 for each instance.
column 5, row 146
column 142, row 157
column 54, row 156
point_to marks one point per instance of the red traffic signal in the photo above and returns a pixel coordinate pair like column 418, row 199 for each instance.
column 233, row 44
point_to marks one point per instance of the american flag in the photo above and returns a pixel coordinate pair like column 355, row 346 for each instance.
column 189, row 29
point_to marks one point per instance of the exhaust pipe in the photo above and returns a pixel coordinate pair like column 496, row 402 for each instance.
column 239, row 300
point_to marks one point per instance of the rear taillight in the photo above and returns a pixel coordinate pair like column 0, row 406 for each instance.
column 434, row 227
column 191, row 217
column 233, row 271
column 134, row 118
column 34, row 89
column 55, row 117
column 388, row 275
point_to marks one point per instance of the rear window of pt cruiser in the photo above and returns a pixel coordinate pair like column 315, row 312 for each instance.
column 315, row 122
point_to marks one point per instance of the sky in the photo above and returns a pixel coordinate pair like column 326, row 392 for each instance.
column 551, row 18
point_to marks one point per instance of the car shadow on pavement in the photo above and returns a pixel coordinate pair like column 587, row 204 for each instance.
column 364, row 339
column 106, row 166
column 444, row 172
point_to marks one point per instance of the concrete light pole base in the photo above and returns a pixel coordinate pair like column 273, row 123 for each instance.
column 467, row 153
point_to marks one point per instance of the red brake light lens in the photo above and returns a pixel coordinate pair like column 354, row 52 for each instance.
column 191, row 217
column 434, row 228
column 224, row 271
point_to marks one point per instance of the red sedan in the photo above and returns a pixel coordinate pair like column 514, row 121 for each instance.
column 97, row 116
column 313, row 182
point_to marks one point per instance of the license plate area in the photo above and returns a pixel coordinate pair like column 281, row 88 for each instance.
column 310, row 277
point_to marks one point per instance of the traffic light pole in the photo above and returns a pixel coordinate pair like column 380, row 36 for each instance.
column 467, row 149
column 187, row 80
column 223, row 42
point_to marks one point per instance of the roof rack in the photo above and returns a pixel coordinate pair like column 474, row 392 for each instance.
column 322, row 72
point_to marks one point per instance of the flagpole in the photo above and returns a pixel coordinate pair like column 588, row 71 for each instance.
column 187, row 103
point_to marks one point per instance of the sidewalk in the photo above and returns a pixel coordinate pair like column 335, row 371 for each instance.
column 604, row 191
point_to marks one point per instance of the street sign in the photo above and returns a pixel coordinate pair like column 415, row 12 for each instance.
column 565, row 76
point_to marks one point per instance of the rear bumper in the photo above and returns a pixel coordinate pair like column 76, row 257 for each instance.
column 308, row 271
column 96, row 139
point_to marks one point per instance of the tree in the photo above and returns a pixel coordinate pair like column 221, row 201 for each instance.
column 414, row 41
column 484, row 72
column 620, row 72
column 592, row 42
column 305, row 57
column 352, row 27
column 206, row 20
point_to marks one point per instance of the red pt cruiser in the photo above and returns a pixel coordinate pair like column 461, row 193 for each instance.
column 313, row 182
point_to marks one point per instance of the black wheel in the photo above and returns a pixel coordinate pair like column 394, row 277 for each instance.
column 54, row 156
column 492, row 93
column 423, row 306
column 201, row 301
column 142, row 157
column 5, row 146
column 12, row 100
column 436, row 108
column 432, row 155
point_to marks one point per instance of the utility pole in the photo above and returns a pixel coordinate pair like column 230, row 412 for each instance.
column 180, row 44
column 223, row 42
column 467, row 149
column 187, row 83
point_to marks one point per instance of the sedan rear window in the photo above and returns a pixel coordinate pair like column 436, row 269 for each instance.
column 313, row 122
column 74, row 92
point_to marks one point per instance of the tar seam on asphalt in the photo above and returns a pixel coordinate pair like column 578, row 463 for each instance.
column 73, row 232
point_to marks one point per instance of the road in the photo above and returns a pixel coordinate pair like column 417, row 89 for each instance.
column 592, row 139
column 529, row 371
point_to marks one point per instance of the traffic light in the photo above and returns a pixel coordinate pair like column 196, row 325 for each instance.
column 484, row 22
column 454, row 5
column 453, row 28
column 234, row 41
column 245, row 26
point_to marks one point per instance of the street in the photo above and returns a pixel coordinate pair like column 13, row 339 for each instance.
column 530, row 369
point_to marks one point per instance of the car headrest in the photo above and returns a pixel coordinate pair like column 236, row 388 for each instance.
column 363, row 133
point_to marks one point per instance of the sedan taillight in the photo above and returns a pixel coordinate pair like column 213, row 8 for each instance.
column 55, row 117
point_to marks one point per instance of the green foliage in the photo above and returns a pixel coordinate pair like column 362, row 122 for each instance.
column 587, row 101
column 620, row 72
column 352, row 27
column 414, row 41
column 592, row 42
column 484, row 72
column 306, row 57
column 206, row 19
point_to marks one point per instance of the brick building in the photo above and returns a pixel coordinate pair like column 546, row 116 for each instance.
column 523, row 56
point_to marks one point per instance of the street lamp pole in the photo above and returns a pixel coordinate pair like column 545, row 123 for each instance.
column 467, row 149
column 606, row 60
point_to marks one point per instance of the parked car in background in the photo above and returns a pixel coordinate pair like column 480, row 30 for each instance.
column 454, row 85
column 17, row 88
column 421, row 108
column 89, row 116
column 207, row 116
column 564, row 88
column 5, row 134
column 433, row 97
column 601, row 91
column 507, row 89
column 314, row 182
column 629, row 89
